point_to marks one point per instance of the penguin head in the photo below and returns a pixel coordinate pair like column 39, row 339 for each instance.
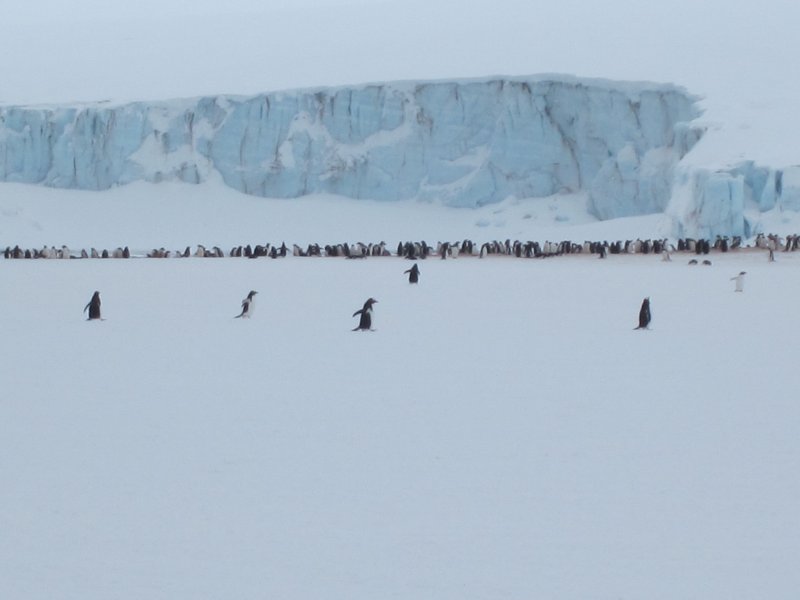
column 251, row 294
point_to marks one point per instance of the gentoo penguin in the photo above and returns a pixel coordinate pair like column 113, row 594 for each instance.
column 365, row 323
column 93, row 307
column 413, row 274
column 739, row 279
column 644, row 314
column 247, row 306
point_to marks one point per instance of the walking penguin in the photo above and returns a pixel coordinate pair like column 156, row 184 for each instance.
column 644, row 314
column 248, row 304
column 93, row 307
column 739, row 279
column 365, row 323
column 413, row 274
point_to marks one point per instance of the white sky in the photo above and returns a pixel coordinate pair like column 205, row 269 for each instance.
column 154, row 49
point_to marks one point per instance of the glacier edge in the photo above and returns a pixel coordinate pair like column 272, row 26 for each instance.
column 466, row 143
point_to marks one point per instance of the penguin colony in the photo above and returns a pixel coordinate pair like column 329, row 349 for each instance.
column 421, row 250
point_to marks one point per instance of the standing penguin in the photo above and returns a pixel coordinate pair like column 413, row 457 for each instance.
column 644, row 314
column 365, row 323
column 93, row 307
column 248, row 304
column 413, row 274
column 739, row 279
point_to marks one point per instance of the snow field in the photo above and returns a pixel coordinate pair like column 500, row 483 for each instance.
column 503, row 433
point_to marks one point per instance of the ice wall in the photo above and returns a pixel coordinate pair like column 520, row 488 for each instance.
column 467, row 143
column 706, row 203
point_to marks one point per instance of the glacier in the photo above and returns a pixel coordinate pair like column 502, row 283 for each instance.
column 464, row 143
column 729, row 201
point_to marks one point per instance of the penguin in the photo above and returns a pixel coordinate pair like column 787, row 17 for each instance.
column 93, row 307
column 739, row 279
column 644, row 314
column 365, row 323
column 247, row 306
column 413, row 274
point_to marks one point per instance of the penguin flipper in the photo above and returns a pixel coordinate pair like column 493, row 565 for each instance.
column 358, row 312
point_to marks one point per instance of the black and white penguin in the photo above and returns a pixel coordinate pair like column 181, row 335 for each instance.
column 644, row 314
column 93, row 307
column 365, row 323
column 739, row 279
column 248, row 304
column 413, row 274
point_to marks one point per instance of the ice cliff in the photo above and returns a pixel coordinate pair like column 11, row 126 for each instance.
column 466, row 143
column 709, row 202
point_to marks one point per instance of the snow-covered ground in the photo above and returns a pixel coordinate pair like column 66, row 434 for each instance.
column 504, row 433
column 145, row 216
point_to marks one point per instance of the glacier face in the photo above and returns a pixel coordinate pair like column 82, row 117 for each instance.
column 707, row 203
column 466, row 143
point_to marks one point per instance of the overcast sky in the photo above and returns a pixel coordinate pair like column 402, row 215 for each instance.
column 55, row 51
